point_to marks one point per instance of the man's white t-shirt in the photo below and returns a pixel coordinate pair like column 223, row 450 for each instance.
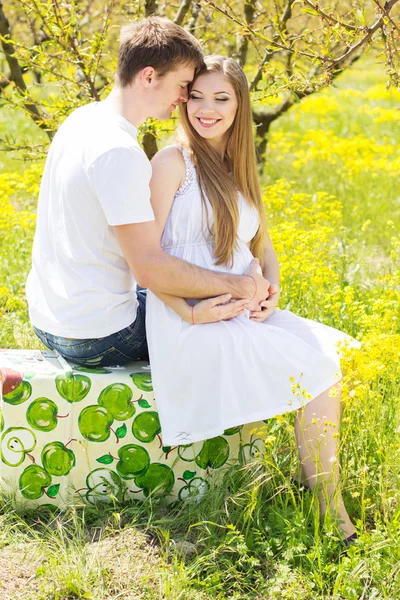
column 96, row 176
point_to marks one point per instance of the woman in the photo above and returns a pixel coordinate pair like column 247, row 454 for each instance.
column 210, row 375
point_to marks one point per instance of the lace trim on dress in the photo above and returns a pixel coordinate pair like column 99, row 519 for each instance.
column 190, row 178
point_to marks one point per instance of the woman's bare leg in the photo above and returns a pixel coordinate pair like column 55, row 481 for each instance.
column 315, row 426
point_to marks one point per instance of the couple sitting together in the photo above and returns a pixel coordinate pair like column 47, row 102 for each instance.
column 189, row 227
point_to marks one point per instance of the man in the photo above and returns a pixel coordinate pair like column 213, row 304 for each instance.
column 96, row 236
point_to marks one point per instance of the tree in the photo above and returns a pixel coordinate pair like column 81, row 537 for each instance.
column 58, row 55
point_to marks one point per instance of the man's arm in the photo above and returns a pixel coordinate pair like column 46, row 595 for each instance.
column 271, row 269
column 155, row 269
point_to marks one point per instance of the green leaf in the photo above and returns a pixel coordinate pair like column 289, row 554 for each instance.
column 311, row 11
column 52, row 491
column 94, row 370
column 166, row 449
column 144, row 404
column 188, row 475
column 121, row 431
column 106, row 459
column 29, row 375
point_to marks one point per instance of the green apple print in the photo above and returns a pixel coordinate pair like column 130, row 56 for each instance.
column 232, row 430
column 16, row 443
column 34, row 480
column 21, row 394
column 253, row 449
column 94, row 370
column 146, row 426
column 1, row 420
column 142, row 381
column 193, row 489
column 57, row 459
column 73, row 388
column 186, row 452
column 157, row 479
column 117, row 399
column 95, row 422
column 133, row 460
column 15, row 389
column 103, row 485
column 42, row 414
column 214, row 453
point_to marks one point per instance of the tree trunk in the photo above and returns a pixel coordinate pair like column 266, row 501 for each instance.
column 150, row 144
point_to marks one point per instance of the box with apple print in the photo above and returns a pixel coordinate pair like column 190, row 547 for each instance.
column 74, row 435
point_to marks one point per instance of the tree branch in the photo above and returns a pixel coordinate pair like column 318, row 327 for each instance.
column 242, row 39
column 286, row 15
column 330, row 18
column 182, row 11
column 264, row 119
column 370, row 32
column 150, row 7
column 17, row 74
column 194, row 17
column 271, row 42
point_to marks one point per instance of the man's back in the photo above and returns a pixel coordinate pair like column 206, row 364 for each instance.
column 96, row 176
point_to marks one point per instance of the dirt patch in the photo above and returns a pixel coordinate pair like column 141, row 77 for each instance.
column 129, row 559
column 18, row 566
column 131, row 563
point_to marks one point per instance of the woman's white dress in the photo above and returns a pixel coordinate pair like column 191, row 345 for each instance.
column 214, row 376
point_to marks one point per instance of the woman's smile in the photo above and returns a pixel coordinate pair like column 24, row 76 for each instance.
column 207, row 122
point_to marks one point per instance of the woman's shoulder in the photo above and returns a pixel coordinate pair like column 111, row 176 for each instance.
column 170, row 155
column 170, row 162
column 175, row 162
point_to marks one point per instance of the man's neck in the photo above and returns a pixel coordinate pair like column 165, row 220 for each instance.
column 123, row 102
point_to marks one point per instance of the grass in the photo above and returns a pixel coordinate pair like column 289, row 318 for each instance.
column 332, row 202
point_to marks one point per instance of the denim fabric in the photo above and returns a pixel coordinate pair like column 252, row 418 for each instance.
column 115, row 349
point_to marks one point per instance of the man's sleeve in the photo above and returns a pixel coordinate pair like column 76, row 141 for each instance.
column 121, row 178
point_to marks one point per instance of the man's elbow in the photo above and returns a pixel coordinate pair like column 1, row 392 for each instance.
column 142, row 279
column 147, row 274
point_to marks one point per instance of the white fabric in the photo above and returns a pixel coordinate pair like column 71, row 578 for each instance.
column 96, row 176
column 214, row 376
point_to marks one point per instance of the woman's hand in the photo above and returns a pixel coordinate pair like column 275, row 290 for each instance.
column 267, row 307
column 261, row 284
column 221, row 308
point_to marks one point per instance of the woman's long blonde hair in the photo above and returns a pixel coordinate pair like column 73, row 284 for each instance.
column 220, row 187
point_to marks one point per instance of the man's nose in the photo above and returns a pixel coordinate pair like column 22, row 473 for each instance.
column 184, row 97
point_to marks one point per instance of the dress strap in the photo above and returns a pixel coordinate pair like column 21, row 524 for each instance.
column 190, row 178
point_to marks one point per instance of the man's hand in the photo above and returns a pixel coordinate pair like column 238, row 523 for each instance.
column 263, row 285
column 267, row 307
column 221, row 308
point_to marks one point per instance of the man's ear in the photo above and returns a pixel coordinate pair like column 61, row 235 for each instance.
column 146, row 76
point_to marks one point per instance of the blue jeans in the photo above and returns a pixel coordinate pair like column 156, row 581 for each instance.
column 115, row 349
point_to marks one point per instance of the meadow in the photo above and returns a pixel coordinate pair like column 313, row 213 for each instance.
column 332, row 202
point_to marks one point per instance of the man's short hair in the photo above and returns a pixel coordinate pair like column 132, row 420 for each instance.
column 158, row 43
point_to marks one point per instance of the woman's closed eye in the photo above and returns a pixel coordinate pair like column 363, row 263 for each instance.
column 199, row 98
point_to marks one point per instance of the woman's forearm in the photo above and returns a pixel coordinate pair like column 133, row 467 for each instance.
column 271, row 269
column 179, row 305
